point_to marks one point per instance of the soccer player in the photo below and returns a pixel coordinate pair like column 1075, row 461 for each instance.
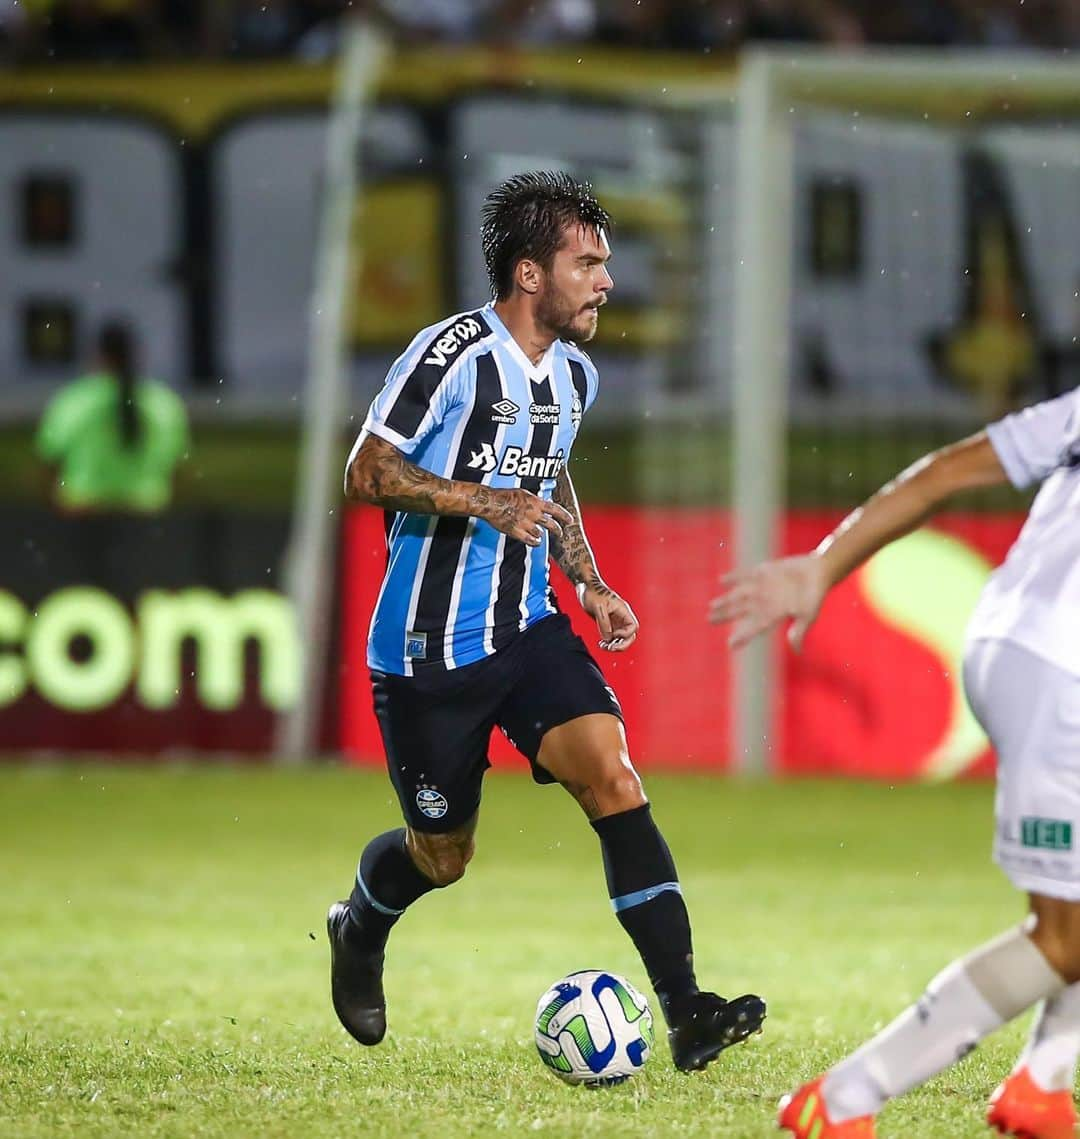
column 466, row 449
column 1022, row 676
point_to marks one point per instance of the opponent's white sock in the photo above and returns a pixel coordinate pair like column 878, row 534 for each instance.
column 962, row 1004
column 1054, row 1044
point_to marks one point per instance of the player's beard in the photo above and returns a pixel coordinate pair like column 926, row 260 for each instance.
column 566, row 320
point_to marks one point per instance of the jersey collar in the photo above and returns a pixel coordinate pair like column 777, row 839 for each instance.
column 535, row 372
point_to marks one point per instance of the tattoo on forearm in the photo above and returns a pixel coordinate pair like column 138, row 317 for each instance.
column 571, row 552
column 481, row 502
column 500, row 512
column 380, row 474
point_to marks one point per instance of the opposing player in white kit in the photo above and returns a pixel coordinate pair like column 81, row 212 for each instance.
column 1022, row 676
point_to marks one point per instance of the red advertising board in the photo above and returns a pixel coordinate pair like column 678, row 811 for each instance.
column 876, row 692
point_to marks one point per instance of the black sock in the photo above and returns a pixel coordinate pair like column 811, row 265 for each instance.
column 387, row 883
column 645, row 893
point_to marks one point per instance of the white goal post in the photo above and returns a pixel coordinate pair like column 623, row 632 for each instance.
column 773, row 84
column 309, row 567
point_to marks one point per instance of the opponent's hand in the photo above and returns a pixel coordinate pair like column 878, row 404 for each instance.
column 759, row 598
column 614, row 618
column 522, row 515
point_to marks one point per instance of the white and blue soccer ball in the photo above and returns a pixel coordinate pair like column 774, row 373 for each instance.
column 594, row 1028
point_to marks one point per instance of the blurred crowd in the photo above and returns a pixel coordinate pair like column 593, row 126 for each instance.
column 135, row 29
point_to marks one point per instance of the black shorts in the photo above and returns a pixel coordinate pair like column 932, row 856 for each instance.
column 436, row 725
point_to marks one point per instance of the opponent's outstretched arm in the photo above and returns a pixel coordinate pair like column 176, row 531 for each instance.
column 381, row 475
column 762, row 596
column 571, row 552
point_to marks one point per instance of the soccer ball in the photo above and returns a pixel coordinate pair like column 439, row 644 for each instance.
column 594, row 1028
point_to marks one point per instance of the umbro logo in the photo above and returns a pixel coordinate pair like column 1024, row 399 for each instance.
column 505, row 411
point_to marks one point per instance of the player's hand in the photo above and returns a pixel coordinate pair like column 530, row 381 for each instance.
column 614, row 618
column 759, row 598
column 523, row 515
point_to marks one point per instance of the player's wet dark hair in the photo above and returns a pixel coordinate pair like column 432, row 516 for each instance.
column 526, row 216
column 117, row 350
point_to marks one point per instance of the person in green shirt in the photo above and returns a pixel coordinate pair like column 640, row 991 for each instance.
column 113, row 440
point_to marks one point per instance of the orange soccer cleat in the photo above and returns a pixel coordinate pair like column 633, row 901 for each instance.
column 1021, row 1108
column 803, row 1113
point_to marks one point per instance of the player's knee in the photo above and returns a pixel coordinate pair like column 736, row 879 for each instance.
column 443, row 859
column 447, row 870
column 617, row 788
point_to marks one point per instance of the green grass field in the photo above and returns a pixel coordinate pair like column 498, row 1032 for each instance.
column 159, row 977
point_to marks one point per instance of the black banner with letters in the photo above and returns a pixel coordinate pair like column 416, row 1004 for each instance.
column 144, row 635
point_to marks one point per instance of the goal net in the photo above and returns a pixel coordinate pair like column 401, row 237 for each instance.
column 908, row 265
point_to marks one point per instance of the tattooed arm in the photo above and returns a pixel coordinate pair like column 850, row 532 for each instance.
column 380, row 474
column 571, row 553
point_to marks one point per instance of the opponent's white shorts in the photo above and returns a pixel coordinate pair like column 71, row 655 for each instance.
column 1030, row 709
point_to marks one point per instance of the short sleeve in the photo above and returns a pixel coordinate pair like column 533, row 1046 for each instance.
column 171, row 438
column 592, row 379
column 1033, row 443
column 424, row 385
column 413, row 403
column 584, row 375
column 61, row 420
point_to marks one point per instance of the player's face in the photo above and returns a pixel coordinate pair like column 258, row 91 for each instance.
column 576, row 285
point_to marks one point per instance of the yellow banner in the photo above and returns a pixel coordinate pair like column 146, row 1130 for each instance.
column 197, row 98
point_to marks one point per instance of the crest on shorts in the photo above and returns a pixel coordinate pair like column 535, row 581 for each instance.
column 431, row 803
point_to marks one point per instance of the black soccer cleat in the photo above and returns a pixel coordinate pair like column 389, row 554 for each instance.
column 705, row 1024
column 355, row 978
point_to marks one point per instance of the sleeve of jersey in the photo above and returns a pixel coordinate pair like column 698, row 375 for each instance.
column 60, row 422
column 413, row 403
column 49, row 441
column 592, row 382
column 1034, row 442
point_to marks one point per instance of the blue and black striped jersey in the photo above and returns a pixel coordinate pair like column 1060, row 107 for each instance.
column 465, row 402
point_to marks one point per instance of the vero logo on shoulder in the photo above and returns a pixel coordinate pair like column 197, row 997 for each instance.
column 452, row 339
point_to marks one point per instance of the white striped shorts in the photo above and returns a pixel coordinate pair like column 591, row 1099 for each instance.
column 1030, row 709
